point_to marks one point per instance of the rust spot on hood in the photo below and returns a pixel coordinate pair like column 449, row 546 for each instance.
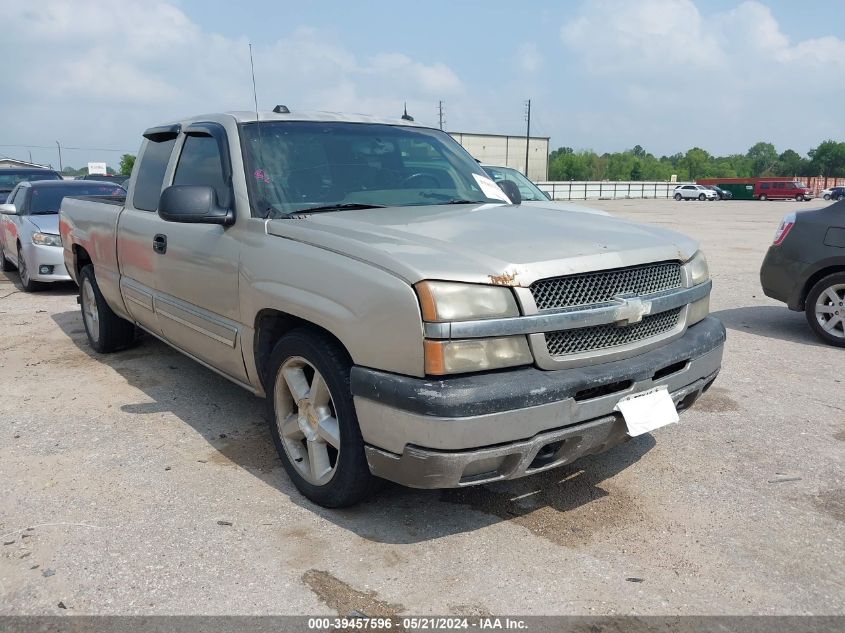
column 505, row 279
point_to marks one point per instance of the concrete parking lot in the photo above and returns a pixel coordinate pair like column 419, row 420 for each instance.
column 142, row 483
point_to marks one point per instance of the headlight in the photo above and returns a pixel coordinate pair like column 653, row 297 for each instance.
column 456, row 357
column 46, row 239
column 698, row 310
column 448, row 301
column 698, row 269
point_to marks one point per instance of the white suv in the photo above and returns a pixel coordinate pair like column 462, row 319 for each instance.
column 692, row 192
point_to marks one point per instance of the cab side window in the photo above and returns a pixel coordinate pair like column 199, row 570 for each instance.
column 765, row 185
column 151, row 174
column 200, row 164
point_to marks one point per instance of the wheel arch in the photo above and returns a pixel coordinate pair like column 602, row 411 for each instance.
column 828, row 269
column 272, row 324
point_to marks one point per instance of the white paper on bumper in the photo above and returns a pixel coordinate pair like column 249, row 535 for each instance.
column 648, row 410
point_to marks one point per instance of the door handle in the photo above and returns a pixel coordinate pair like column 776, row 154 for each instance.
column 160, row 243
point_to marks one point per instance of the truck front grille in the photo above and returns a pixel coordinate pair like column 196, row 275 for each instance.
column 601, row 287
column 601, row 337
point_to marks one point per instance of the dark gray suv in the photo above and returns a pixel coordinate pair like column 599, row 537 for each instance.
column 805, row 268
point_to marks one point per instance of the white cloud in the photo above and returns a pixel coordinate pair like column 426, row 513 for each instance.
column 529, row 58
column 722, row 81
column 95, row 77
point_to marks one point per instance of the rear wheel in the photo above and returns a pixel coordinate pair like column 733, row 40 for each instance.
column 26, row 279
column 313, row 420
column 106, row 331
column 702, row 197
column 5, row 264
column 678, row 197
column 763, row 197
column 825, row 309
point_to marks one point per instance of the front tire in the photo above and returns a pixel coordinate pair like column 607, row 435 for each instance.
column 678, row 197
column 26, row 280
column 799, row 198
column 825, row 309
column 827, row 196
column 702, row 197
column 313, row 420
column 106, row 331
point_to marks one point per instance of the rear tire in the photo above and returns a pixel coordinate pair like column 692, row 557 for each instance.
column 106, row 331
column 825, row 304
column 763, row 197
column 27, row 283
column 313, row 421
column 678, row 197
column 5, row 264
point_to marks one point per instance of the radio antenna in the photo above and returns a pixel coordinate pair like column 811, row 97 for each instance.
column 265, row 212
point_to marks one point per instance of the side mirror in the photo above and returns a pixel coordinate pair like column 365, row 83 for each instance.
column 511, row 190
column 193, row 204
column 8, row 209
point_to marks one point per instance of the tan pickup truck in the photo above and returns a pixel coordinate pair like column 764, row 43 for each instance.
column 403, row 316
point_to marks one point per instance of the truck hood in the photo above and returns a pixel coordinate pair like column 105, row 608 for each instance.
column 561, row 206
column 48, row 223
column 485, row 243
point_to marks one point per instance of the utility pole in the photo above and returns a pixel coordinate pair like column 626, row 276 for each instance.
column 61, row 169
column 527, row 133
column 441, row 115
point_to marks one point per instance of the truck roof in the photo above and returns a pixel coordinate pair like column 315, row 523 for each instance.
column 246, row 116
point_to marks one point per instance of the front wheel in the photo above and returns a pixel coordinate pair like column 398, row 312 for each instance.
column 702, row 197
column 313, row 421
column 825, row 309
column 827, row 196
column 26, row 279
column 678, row 197
column 799, row 198
column 106, row 331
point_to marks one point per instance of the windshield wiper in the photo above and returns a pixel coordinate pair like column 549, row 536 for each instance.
column 461, row 201
column 339, row 207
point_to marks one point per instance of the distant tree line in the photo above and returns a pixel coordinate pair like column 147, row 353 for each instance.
column 127, row 161
column 762, row 159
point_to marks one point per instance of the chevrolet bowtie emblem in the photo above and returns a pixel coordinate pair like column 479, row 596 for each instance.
column 632, row 311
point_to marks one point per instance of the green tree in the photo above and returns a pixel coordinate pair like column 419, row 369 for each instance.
column 696, row 161
column 791, row 163
column 127, row 162
column 828, row 159
column 763, row 158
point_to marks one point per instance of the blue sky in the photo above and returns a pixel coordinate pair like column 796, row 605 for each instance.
column 602, row 74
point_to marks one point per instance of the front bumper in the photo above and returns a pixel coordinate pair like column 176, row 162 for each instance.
column 476, row 429
column 51, row 256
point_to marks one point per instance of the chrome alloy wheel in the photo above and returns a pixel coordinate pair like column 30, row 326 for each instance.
column 305, row 417
column 830, row 310
column 89, row 310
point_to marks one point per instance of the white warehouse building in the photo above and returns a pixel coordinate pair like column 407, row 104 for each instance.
column 508, row 151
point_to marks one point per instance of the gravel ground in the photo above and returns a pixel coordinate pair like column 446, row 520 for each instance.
column 142, row 483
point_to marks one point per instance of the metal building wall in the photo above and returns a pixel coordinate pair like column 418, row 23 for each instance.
column 508, row 151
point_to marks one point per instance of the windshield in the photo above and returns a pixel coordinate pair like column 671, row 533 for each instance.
column 44, row 200
column 300, row 165
column 530, row 192
column 11, row 177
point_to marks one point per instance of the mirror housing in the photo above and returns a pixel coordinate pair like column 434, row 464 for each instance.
column 193, row 204
column 8, row 209
column 511, row 190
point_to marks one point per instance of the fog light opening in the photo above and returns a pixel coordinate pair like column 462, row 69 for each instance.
column 547, row 454
column 45, row 270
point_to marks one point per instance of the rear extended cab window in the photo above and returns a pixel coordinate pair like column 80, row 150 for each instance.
column 151, row 172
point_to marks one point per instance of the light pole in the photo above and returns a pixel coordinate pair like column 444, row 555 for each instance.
column 61, row 169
